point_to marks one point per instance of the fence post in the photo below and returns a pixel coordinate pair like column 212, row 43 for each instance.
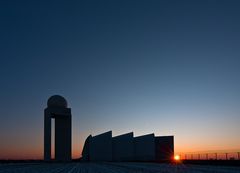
column 226, row 156
column 198, row 156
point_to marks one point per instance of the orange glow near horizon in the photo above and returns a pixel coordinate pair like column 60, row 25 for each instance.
column 24, row 154
column 37, row 154
column 28, row 151
column 22, row 149
column 177, row 158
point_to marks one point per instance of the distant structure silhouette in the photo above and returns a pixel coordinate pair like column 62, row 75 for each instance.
column 125, row 147
column 57, row 109
column 102, row 147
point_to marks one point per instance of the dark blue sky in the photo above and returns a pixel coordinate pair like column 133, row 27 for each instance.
column 168, row 67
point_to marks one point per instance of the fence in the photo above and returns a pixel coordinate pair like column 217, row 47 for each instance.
column 211, row 156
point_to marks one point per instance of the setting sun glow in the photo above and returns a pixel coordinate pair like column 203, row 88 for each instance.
column 177, row 157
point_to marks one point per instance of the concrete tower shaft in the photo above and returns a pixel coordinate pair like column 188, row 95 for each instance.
column 57, row 109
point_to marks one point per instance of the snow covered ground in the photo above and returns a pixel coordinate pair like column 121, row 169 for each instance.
column 113, row 168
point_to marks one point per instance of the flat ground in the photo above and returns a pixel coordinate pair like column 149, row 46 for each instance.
column 113, row 168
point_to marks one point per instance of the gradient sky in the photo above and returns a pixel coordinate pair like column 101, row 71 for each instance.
column 168, row 67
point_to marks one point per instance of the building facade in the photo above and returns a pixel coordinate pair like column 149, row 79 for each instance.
column 126, row 147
